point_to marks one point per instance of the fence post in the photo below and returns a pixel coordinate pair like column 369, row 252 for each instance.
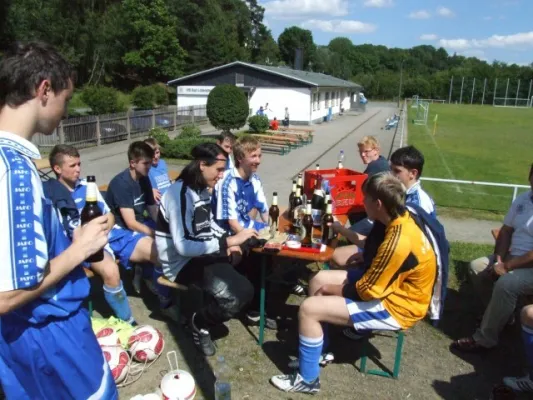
column 153, row 118
column 98, row 133
column 191, row 112
column 128, row 123
column 61, row 133
column 175, row 115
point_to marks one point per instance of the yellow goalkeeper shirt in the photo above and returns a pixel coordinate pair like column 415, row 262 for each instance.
column 402, row 274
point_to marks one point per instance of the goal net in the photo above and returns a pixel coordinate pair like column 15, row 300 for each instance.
column 422, row 112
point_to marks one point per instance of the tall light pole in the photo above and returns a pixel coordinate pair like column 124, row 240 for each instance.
column 401, row 82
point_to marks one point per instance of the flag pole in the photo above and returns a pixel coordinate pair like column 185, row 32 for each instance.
column 435, row 124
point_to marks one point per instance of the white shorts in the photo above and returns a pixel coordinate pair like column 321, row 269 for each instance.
column 371, row 315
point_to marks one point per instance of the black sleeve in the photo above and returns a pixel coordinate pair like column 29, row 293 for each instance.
column 350, row 292
column 146, row 187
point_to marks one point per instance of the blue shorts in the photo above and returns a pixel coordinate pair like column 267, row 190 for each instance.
column 60, row 359
column 363, row 227
column 354, row 274
column 123, row 243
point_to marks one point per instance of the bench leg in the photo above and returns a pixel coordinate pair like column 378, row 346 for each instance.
column 398, row 356
column 364, row 352
column 262, row 302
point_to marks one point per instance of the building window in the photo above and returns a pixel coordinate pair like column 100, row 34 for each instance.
column 239, row 79
column 315, row 101
column 327, row 100
column 319, row 100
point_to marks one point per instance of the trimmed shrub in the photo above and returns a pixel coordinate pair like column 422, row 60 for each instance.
column 190, row 131
column 160, row 94
column 227, row 107
column 258, row 123
column 101, row 99
column 161, row 135
column 181, row 148
column 143, row 97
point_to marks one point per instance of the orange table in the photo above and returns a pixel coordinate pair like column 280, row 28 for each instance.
column 325, row 256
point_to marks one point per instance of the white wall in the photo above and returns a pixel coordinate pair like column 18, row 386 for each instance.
column 337, row 98
column 297, row 100
column 193, row 95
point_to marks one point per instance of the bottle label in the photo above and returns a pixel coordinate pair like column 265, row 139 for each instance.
column 330, row 231
column 91, row 192
column 317, row 217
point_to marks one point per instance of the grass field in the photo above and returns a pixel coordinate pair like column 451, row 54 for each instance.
column 476, row 143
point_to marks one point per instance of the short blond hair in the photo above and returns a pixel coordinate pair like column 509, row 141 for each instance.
column 245, row 145
column 369, row 141
column 389, row 190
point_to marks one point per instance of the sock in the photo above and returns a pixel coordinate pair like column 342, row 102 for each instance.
column 163, row 292
column 117, row 299
column 310, row 350
column 325, row 330
column 527, row 338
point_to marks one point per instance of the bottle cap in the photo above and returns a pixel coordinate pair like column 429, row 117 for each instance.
column 275, row 194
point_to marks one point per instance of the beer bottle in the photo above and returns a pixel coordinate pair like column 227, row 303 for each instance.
column 317, row 204
column 327, row 225
column 91, row 211
column 307, row 226
column 273, row 214
column 297, row 203
column 317, row 174
column 292, row 196
column 339, row 165
column 327, row 198
column 300, row 184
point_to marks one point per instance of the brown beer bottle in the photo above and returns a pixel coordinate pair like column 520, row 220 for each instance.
column 300, row 184
column 273, row 214
column 327, row 225
column 307, row 226
column 296, row 204
column 292, row 196
column 91, row 211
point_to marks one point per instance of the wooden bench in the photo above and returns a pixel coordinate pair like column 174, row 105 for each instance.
column 277, row 140
column 274, row 148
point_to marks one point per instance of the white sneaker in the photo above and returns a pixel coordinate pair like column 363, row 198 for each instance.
column 519, row 384
column 295, row 383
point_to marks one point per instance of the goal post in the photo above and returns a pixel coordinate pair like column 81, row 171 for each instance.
column 422, row 113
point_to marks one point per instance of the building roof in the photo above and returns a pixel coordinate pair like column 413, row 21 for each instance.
column 309, row 78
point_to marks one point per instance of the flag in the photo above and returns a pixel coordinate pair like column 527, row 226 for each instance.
column 436, row 118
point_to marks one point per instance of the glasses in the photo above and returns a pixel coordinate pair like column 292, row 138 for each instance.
column 366, row 151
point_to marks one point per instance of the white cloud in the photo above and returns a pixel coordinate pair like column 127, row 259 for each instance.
column 339, row 26
column 522, row 40
column 378, row 3
column 445, row 12
column 429, row 36
column 421, row 14
column 296, row 8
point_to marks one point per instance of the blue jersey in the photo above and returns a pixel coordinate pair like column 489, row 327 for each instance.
column 234, row 198
column 158, row 175
column 32, row 235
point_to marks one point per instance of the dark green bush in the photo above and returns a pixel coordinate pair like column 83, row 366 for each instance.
column 227, row 107
column 143, row 97
column 161, row 135
column 101, row 99
column 160, row 94
column 181, row 148
column 258, row 123
column 190, row 131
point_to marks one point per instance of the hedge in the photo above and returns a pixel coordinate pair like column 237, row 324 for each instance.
column 258, row 123
column 227, row 107
column 181, row 148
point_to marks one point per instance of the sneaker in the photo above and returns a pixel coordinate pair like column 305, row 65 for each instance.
column 295, row 383
column 325, row 359
column 352, row 334
column 299, row 290
column 202, row 339
column 132, row 322
column 253, row 319
column 519, row 384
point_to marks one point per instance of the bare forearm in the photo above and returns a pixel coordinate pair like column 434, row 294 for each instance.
column 503, row 242
column 56, row 270
column 264, row 217
column 235, row 226
column 352, row 237
column 525, row 261
column 136, row 226
column 110, row 221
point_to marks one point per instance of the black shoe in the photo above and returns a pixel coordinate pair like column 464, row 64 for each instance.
column 252, row 319
column 202, row 339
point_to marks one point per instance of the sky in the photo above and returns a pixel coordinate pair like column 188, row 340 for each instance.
column 487, row 29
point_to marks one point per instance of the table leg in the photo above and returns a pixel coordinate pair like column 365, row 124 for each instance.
column 262, row 302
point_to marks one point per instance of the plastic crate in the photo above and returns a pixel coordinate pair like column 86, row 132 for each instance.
column 346, row 188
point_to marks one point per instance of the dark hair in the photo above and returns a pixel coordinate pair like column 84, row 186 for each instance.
column 206, row 152
column 139, row 150
column 25, row 66
column 151, row 141
column 226, row 136
column 59, row 151
column 408, row 157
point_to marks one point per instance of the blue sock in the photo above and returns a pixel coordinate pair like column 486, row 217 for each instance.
column 527, row 338
column 163, row 292
column 310, row 350
column 325, row 329
column 118, row 301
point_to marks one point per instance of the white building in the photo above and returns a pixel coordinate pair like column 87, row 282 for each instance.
column 311, row 97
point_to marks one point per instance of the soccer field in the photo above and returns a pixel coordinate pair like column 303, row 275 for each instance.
column 475, row 143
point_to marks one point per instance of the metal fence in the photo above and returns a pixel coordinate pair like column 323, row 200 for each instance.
column 95, row 130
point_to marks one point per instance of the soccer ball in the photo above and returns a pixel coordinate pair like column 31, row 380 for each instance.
column 118, row 360
column 146, row 343
column 107, row 337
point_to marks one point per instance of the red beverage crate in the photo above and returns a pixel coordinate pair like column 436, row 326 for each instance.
column 346, row 188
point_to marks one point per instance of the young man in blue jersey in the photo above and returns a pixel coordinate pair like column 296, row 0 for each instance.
column 130, row 199
column 238, row 199
column 66, row 163
column 47, row 346
column 158, row 173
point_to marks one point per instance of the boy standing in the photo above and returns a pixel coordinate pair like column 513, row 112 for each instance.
column 158, row 173
column 47, row 346
column 66, row 164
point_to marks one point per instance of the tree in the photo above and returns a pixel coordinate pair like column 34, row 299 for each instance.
column 227, row 107
column 296, row 38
